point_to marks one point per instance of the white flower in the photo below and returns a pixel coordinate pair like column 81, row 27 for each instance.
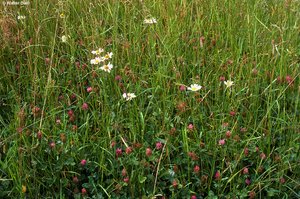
column 21, row 17
column 228, row 83
column 128, row 96
column 64, row 38
column 108, row 56
column 171, row 172
column 150, row 21
column 97, row 60
column 194, row 87
column 62, row 15
column 98, row 52
column 107, row 67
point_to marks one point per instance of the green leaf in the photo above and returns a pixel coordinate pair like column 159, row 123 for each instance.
column 142, row 179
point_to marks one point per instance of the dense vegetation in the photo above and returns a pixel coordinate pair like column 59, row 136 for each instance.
column 197, row 99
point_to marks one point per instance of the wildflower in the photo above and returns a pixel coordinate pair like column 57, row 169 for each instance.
column 260, row 169
column 47, row 60
column 174, row 183
column 118, row 78
column 221, row 142
column 112, row 144
column 83, row 162
column 124, row 172
column 194, row 87
column 222, row 79
column 52, row 145
column 150, row 21
column 263, row 156
column 282, row 180
column 243, row 129
column 85, row 106
column 128, row 150
column 74, row 128
column 137, row 145
column 193, row 197
column 108, row 56
column 97, row 60
column 98, row 52
column 21, row 17
column 128, row 96
column 126, row 180
column 171, row 172
column 118, row 152
column 190, row 127
column 58, row 121
column 193, row 156
column 62, row 15
column 89, row 89
column 232, row 113
column 107, row 67
column 182, row 88
column 248, row 181
column 228, row 83
column 246, row 151
column 24, row 189
column 64, row 38
column 228, row 134
column 218, row 175
column 39, row 135
column 279, row 79
column 252, row 194
column 245, row 171
column 75, row 179
column 70, row 113
column 83, row 191
column 254, row 71
column 225, row 124
column 196, row 169
column 229, row 62
column 158, row 145
column 172, row 131
column 148, row 152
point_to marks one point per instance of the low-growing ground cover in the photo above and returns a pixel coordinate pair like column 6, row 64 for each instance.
column 150, row 99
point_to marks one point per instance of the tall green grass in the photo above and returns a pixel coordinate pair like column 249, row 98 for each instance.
column 254, row 43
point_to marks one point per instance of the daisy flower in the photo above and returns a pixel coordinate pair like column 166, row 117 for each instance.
column 64, row 38
column 107, row 67
column 228, row 83
column 98, row 52
column 21, row 17
column 150, row 21
column 97, row 60
column 129, row 96
column 194, row 87
column 108, row 56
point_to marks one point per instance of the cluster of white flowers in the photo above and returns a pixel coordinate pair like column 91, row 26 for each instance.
column 128, row 96
column 150, row 21
column 21, row 17
column 102, row 59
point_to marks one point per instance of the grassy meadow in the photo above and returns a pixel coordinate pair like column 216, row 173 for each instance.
column 150, row 99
